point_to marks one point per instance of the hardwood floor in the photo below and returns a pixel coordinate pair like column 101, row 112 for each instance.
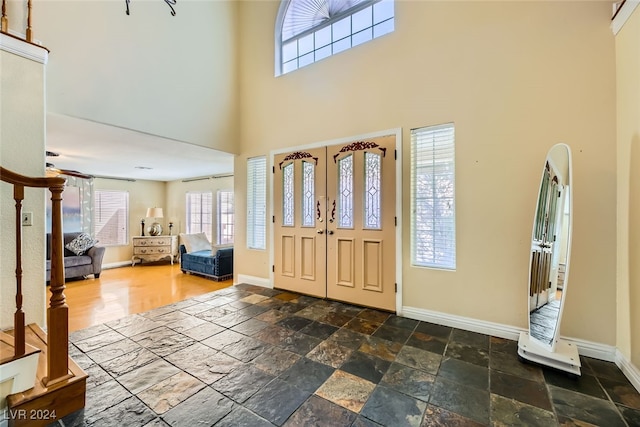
column 128, row 290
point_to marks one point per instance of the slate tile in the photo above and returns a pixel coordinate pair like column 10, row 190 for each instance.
column 435, row 416
column 242, row 383
column 129, row 412
column 409, row 381
column 464, row 373
column 531, row 392
column 206, row 407
column 307, row 375
column 467, row 401
column 170, row 392
column 276, row 401
column 242, row 417
column 366, row 366
column 275, row 360
column 347, row 390
column 330, row 353
column 582, row 407
column 509, row 412
column 434, row 330
column 585, row 384
column 407, row 411
column 319, row 412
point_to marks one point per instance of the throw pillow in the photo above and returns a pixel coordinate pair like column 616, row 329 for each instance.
column 82, row 243
column 195, row 242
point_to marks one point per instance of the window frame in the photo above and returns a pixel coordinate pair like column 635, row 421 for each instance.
column 280, row 43
column 124, row 218
column 220, row 238
column 199, row 226
column 439, row 174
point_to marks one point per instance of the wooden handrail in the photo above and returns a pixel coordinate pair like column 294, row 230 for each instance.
column 58, row 311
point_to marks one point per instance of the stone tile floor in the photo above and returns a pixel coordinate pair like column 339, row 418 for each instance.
column 250, row 356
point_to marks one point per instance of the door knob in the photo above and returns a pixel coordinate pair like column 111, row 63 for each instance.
column 319, row 231
column 329, row 232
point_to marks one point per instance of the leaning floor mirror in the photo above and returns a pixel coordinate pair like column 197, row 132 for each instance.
column 549, row 267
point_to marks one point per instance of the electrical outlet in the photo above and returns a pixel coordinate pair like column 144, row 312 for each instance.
column 27, row 218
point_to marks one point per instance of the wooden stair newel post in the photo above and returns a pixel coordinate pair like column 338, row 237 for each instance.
column 18, row 317
column 58, row 311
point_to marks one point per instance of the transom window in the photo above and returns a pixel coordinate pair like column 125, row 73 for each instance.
column 310, row 30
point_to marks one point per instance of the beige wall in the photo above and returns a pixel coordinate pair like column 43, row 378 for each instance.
column 176, row 199
column 22, row 117
column 172, row 76
column 516, row 78
column 142, row 195
column 627, row 44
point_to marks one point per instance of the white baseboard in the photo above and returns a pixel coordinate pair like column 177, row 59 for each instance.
column 116, row 265
column 466, row 323
column 628, row 369
column 253, row 280
column 585, row 348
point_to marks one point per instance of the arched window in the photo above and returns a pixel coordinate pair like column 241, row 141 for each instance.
column 310, row 30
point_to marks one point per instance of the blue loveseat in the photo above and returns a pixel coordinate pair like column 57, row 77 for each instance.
column 218, row 266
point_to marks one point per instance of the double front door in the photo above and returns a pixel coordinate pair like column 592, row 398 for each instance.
column 334, row 222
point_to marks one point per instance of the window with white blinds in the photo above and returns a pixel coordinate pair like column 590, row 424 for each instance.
column 257, row 203
column 433, row 219
column 111, row 211
column 200, row 212
column 225, row 217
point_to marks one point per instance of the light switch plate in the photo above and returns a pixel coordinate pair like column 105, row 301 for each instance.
column 27, row 218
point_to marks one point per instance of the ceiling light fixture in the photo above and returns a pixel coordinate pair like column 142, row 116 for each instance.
column 169, row 3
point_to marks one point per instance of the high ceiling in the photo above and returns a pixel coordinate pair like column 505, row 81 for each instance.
column 107, row 151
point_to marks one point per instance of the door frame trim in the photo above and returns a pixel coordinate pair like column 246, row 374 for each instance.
column 397, row 132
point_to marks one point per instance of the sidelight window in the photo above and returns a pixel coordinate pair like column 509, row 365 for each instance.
column 433, row 221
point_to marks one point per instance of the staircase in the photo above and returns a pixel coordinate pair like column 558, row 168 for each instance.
column 39, row 382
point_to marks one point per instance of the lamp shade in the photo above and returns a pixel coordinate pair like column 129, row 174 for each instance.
column 154, row 213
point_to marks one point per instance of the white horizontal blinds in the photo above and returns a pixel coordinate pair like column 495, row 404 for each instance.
column 200, row 212
column 433, row 221
column 111, row 211
column 257, row 202
column 225, row 217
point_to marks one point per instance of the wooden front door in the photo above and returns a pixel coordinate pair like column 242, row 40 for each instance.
column 299, row 189
column 361, row 226
column 345, row 249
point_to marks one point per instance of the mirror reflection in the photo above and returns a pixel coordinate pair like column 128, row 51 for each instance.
column 550, row 247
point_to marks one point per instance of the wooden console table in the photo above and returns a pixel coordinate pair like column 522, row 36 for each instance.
column 154, row 248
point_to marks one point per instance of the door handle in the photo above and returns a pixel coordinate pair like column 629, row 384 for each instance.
column 319, row 231
column 329, row 232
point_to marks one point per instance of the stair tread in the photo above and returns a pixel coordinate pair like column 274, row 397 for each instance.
column 37, row 338
column 7, row 349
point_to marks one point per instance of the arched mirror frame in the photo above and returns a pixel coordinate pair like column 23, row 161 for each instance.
column 548, row 237
column 551, row 237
